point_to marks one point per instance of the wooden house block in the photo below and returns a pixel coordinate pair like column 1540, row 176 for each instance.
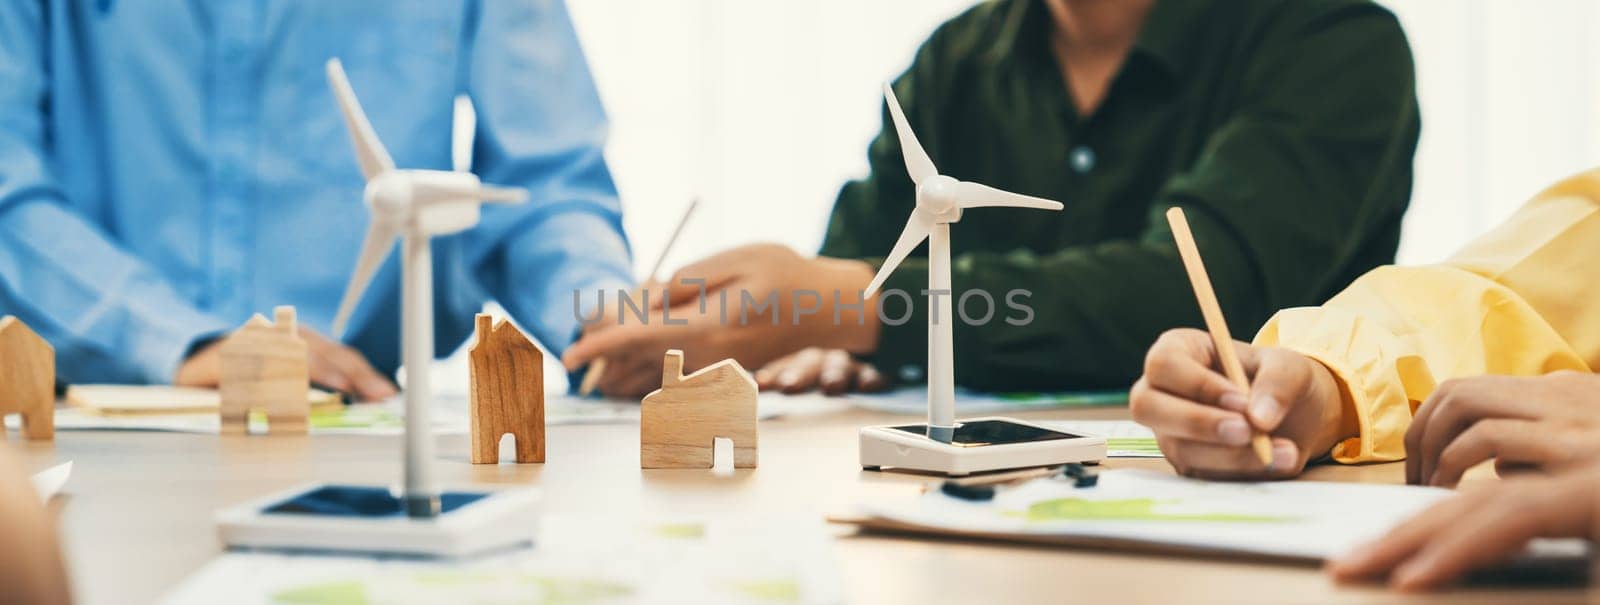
column 27, row 379
column 264, row 368
column 507, row 392
column 680, row 421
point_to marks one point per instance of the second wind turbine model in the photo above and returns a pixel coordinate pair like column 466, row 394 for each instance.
column 943, row 444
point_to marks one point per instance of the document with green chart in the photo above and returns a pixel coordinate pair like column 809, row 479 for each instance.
column 1150, row 510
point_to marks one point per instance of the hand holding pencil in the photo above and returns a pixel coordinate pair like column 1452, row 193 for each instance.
column 597, row 369
column 1224, row 409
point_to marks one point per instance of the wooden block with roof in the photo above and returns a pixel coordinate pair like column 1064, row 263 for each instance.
column 680, row 422
column 27, row 379
column 264, row 369
column 507, row 392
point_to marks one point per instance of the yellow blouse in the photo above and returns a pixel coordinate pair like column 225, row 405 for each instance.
column 1523, row 299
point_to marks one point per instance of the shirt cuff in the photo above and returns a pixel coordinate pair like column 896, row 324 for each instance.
column 1372, row 389
column 160, row 349
column 1353, row 449
column 569, row 257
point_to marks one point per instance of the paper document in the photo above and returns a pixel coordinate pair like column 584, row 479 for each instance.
column 914, row 400
column 387, row 417
column 1301, row 520
column 578, row 560
column 112, row 399
column 1124, row 438
column 49, row 482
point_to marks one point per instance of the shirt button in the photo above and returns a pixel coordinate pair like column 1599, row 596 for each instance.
column 910, row 373
column 1082, row 159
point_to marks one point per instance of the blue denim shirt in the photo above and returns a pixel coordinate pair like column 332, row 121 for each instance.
column 169, row 168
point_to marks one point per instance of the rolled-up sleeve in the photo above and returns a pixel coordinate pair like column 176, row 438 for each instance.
column 1516, row 301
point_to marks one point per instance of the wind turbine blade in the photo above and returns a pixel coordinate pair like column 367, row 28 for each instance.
column 974, row 195
column 369, row 150
column 917, row 229
column 434, row 187
column 380, row 238
column 918, row 164
column 502, row 195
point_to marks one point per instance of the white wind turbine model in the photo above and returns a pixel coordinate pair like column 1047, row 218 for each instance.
column 944, row 445
column 412, row 206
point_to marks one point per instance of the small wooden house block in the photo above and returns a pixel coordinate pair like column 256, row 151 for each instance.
column 27, row 380
column 507, row 392
column 264, row 368
column 680, row 421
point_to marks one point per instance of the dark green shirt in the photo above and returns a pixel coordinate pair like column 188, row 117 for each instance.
column 1284, row 128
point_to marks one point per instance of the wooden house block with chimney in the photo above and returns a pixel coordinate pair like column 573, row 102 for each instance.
column 507, row 392
column 681, row 421
column 264, row 369
column 27, row 380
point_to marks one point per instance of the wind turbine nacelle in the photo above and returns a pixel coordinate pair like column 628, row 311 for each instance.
column 427, row 202
column 937, row 195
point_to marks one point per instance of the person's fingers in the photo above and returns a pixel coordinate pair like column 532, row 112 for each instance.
column 1281, row 379
column 1413, row 438
column 1212, row 461
column 325, row 368
column 1456, row 405
column 1181, row 363
column 202, row 369
column 703, row 276
column 1501, row 439
column 368, row 383
column 325, row 373
column 631, row 378
column 838, row 372
column 1381, row 555
column 1484, row 535
column 1172, row 416
column 870, row 380
column 615, row 342
column 1452, row 413
column 1506, row 469
column 802, row 374
column 767, row 376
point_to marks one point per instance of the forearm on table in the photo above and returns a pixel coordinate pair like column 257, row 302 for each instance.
column 110, row 316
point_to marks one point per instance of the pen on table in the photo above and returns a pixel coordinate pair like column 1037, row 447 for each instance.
column 1214, row 321
column 597, row 368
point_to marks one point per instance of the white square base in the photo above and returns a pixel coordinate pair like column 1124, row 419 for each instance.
column 894, row 447
column 503, row 518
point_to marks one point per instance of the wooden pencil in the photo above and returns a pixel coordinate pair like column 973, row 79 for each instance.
column 597, row 368
column 1212, row 310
